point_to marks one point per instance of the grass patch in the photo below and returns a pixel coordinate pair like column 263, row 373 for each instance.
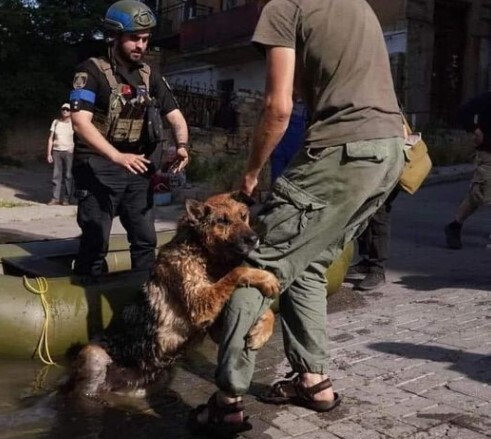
column 221, row 173
column 446, row 149
column 448, row 146
column 9, row 204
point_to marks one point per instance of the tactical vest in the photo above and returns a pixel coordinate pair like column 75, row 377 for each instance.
column 125, row 117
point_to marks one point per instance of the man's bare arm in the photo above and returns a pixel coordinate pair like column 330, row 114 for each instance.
column 280, row 70
column 180, row 134
column 86, row 130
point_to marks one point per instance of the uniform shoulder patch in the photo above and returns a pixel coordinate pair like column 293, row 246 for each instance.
column 80, row 80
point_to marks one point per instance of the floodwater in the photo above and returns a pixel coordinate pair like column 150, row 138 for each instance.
column 30, row 406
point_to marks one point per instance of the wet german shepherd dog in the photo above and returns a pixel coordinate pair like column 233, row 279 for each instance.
column 193, row 277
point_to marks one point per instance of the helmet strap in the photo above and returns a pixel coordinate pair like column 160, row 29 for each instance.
column 110, row 55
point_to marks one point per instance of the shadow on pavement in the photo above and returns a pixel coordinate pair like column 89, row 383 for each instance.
column 32, row 182
column 475, row 366
column 8, row 236
column 433, row 283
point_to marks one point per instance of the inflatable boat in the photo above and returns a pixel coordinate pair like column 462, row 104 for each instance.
column 45, row 309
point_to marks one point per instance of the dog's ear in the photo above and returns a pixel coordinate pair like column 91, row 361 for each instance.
column 242, row 197
column 196, row 210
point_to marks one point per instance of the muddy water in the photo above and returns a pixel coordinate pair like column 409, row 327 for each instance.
column 30, row 406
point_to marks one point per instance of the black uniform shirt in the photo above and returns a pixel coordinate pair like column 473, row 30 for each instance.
column 91, row 92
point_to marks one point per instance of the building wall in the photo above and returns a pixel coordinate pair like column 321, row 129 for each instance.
column 389, row 12
column 249, row 76
column 27, row 138
column 419, row 59
column 477, row 71
column 423, row 63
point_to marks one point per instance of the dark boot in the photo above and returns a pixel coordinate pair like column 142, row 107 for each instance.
column 453, row 233
column 373, row 280
column 358, row 271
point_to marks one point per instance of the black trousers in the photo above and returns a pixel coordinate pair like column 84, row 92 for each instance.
column 105, row 190
column 373, row 243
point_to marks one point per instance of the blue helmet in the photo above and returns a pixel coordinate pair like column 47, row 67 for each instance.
column 129, row 16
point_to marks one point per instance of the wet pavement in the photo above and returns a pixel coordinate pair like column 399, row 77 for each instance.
column 411, row 359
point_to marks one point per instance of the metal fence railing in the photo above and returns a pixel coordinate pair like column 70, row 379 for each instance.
column 204, row 106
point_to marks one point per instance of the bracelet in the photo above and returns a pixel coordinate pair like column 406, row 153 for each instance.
column 182, row 145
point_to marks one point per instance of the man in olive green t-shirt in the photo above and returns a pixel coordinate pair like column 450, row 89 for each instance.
column 333, row 53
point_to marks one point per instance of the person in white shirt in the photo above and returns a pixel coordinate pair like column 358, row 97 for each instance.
column 60, row 154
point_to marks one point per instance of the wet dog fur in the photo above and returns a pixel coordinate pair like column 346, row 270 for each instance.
column 193, row 277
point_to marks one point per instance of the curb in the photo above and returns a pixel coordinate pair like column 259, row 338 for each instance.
column 442, row 176
column 36, row 212
column 39, row 211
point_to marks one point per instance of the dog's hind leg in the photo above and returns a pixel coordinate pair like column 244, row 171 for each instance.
column 261, row 332
column 257, row 336
column 89, row 371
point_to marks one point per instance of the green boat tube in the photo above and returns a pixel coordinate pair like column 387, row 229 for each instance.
column 44, row 309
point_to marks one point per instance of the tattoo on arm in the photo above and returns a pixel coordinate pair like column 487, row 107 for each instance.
column 180, row 133
column 179, row 127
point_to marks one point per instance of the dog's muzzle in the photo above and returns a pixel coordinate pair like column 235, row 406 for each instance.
column 247, row 243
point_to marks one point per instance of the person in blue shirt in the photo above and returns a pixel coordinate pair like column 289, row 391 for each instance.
column 291, row 141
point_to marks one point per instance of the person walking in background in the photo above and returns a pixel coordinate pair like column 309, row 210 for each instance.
column 291, row 141
column 475, row 117
column 118, row 105
column 60, row 154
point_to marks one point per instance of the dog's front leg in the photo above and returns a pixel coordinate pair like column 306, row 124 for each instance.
column 263, row 280
column 211, row 299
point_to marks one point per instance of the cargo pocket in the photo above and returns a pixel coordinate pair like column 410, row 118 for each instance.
column 367, row 150
column 287, row 214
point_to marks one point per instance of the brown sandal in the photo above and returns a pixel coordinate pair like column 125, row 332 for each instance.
column 304, row 396
column 215, row 426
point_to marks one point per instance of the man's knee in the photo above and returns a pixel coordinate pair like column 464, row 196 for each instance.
column 246, row 299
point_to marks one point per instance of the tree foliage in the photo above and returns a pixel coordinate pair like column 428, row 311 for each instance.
column 41, row 41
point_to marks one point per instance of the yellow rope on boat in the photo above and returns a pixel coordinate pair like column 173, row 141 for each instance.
column 41, row 289
column 39, row 385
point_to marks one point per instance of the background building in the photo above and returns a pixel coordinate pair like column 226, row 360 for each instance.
column 440, row 49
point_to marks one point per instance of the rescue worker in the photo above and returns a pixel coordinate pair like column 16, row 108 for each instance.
column 351, row 160
column 117, row 104
column 475, row 117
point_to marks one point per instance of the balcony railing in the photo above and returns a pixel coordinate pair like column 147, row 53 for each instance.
column 171, row 17
column 219, row 28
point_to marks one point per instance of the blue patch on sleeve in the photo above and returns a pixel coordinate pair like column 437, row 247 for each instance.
column 83, row 95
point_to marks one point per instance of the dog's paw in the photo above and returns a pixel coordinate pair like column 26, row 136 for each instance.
column 261, row 332
column 266, row 282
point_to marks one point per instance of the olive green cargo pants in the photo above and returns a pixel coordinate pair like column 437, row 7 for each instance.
column 480, row 187
column 323, row 200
